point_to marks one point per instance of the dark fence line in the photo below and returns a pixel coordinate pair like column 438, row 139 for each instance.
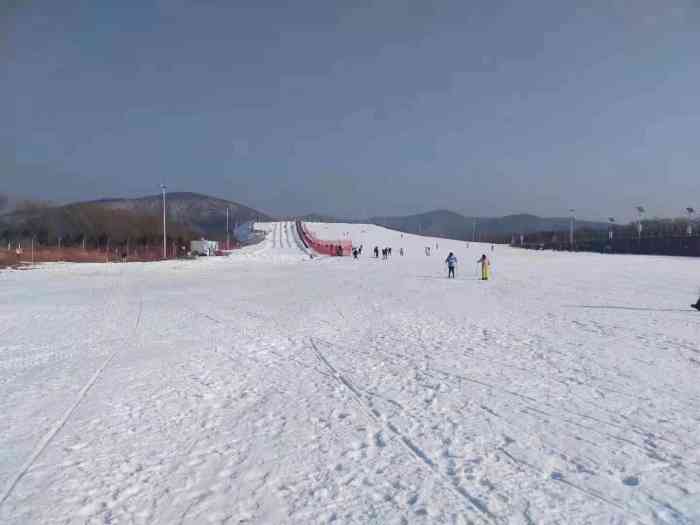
column 686, row 246
column 27, row 255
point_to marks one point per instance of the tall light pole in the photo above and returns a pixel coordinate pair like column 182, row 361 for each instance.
column 611, row 220
column 640, row 216
column 228, row 247
column 163, row 187
column 691, row 212
column 571, row 228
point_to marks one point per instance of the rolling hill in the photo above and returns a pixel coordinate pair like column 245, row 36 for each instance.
column 189, row 214
column 444, row 223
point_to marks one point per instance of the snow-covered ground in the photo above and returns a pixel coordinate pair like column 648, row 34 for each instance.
column 268, row 387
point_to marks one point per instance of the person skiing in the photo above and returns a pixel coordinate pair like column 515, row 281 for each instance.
column 376, row 252
column 401, row 252
column 485, row 264
column 451, row 263
column 354, row 253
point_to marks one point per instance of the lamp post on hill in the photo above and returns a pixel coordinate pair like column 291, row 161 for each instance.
column 640, row 216
column 572, row 227
column 163, row 187
column 691, row 212
column 611, row 220
column 228, row 247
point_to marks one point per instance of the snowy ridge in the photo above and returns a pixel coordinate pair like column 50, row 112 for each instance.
column 266, row 387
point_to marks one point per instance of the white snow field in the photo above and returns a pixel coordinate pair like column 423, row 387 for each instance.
column 269, row 387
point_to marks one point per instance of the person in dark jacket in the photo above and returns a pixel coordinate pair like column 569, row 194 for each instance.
column 376, row 252
column 451, row 263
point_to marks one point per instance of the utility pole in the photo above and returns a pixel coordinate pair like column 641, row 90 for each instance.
column 163, row 187
column 228, row 246
column 640, row 215
column 690, row 211
column 612, row 226
column 572, row 228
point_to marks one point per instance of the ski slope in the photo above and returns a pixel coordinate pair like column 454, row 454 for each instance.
column 269, row 387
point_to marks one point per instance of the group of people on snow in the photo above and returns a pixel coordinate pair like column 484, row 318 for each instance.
column 386, row 252
column 451, row 262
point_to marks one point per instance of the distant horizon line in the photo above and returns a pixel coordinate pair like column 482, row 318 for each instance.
column 337, row 218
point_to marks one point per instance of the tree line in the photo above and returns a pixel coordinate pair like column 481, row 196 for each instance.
column 89, row 224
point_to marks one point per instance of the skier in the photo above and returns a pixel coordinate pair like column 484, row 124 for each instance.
column 696, row 305
column 451, row 263
column 485, row 264
column 376, row 252
column 401, row 252
column 354, row 253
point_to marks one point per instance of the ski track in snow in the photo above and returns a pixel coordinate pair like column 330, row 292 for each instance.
column 268, row 387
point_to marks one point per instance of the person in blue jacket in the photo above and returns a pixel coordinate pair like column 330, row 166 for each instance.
column 451, row 263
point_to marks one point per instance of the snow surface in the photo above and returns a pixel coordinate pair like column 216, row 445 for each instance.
column 269, row 387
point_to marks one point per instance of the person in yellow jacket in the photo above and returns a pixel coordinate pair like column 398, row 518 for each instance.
column 485, row 267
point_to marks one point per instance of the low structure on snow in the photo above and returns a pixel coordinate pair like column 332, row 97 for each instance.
column 204, row 247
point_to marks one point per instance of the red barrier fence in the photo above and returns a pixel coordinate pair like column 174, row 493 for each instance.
column 41, row 254
column 325, row 247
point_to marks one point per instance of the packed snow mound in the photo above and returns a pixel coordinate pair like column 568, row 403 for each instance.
column 268, row 387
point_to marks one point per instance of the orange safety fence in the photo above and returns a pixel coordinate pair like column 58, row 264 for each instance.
column 324, row 246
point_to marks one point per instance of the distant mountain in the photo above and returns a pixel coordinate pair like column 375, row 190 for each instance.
column 444, row 223
column 199, row 213
column 188, row 214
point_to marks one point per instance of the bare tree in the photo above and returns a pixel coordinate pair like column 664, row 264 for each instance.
column 32, row 205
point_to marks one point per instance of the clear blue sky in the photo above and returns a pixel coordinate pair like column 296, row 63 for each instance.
column 483, row 107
